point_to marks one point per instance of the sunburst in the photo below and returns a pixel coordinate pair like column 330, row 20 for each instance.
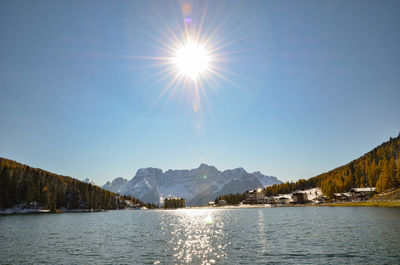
column 192, row 60
column 192, row 56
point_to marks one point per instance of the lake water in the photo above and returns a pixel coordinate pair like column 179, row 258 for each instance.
column 301, row 235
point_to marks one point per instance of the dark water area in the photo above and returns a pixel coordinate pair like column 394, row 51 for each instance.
column 304, row 235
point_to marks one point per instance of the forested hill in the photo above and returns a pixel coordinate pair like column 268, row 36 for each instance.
column 22, row 184
column 378, row 168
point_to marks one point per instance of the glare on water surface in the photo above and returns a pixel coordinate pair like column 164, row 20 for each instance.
column 196, row 236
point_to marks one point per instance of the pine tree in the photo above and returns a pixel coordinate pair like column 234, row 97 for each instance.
column 85, row 195
column 392, row 173
column 45, row 198
column 53, row 203
column 386, row 178
column 372, row 174
column 30, row 193
column 398, row 171
column 328, row 188
column 4, row 183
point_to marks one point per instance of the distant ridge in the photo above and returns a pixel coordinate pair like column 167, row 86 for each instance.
column 198, row 186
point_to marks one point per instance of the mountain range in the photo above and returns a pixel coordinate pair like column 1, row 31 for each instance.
column 198, row 186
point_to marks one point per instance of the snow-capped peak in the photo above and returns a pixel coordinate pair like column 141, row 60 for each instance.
column 197, row 186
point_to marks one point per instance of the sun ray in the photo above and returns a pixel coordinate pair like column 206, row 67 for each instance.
column 171, row 83
column 172, row 93
column 205, row 97
column 202, row 19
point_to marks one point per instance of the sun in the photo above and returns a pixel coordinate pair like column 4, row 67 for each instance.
column 191, row 57
column 192, row 60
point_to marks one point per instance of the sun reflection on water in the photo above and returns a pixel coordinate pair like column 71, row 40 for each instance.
column 197, row 236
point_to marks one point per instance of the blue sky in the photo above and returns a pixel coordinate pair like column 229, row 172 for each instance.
column 315, row 85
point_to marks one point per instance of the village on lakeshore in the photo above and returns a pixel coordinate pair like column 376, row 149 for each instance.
column 257, row 197
column 312, row 196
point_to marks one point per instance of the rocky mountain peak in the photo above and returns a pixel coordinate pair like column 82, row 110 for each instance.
column 197, row 186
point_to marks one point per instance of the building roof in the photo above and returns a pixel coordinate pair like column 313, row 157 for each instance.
column 174, row 198
column 312, row 194
column 345, row 194
column 363, row 189
column 255, row 191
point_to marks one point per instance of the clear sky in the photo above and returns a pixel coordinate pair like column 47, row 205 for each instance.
column 312, row 85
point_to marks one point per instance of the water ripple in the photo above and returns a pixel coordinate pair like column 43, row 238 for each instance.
column 205, row 236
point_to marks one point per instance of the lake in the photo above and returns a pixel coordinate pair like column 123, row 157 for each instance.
column 295, row 235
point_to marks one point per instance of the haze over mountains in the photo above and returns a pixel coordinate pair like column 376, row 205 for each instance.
column 198, row 186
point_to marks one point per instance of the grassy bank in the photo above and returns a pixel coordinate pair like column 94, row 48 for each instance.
column 366, row 204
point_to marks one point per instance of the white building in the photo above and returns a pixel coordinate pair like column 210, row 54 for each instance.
column 255, row 196
column 362, row 194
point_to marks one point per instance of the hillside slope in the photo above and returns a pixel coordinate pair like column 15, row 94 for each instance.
column 34, row 187
column 379, row 167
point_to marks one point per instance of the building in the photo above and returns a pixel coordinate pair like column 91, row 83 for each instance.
column 269, row 200
column 174, row 203
column 362, row 194
column 299, row 197
column 284, row 200
column 131, row 205
column 312, row 194
column 320, row 199
column 255, row 196
column 344, row 196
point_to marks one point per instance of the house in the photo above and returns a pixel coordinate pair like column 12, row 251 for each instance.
column 320, row 199
column 269, row 200
column 312, row 194
column 362, row 194
column 255, row 196
column 131, row 205
column 284, row 200
column 344, row 196
column 299, row 197
column 174, row 202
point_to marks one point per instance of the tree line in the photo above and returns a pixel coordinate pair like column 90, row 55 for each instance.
column 378, row 168
column 232, row 199
column 22, row 184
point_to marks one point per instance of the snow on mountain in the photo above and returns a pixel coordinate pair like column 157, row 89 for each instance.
column 89, row 181
column 116, row 185
column 198, row 186
column 266, row 180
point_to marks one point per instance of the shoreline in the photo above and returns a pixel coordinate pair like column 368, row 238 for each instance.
column 13, row 211
column 387, row 204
